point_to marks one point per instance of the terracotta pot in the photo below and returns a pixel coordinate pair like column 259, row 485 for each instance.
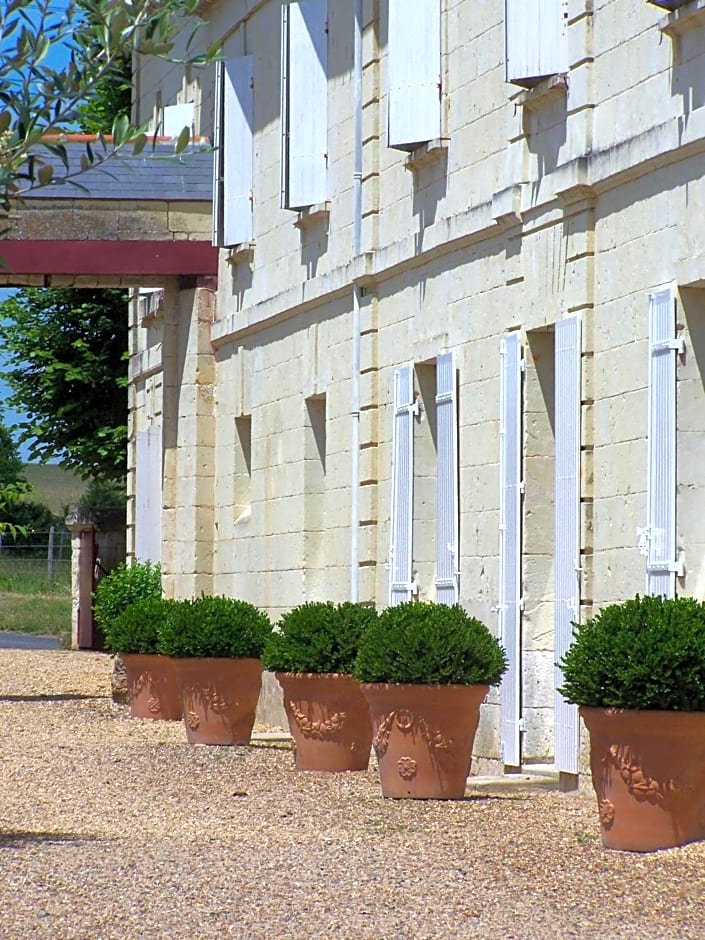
column 219, row 699
column 648, row 771
column 423, row 737
column 152, row 686
column 329, row 721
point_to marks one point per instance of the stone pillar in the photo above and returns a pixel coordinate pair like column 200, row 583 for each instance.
column 97, row 546
column 188, row 440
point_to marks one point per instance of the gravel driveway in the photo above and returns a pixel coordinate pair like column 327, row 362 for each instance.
column 116, row 828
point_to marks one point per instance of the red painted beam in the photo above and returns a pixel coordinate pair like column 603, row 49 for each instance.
column 109, row 258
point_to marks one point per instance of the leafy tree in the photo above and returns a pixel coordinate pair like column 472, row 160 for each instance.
column 11, row 466
column 67, row 351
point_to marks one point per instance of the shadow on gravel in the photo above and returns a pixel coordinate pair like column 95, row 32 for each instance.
column 512, row 797
column 62, row 697
column 22, row 837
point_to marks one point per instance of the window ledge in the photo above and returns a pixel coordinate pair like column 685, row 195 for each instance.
column 242, row 252
column 311, row 215
column 427, row 153
column 555, row 86
column 684, row 16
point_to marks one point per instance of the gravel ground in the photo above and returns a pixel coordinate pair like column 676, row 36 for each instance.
column 115, row 828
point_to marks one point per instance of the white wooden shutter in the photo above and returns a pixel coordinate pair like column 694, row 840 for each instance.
column 510, row 600
column 305, row 98
column 414, row 72
column 661, row 565
column 567, row 529
column 401, row 587
column 218, row 239
column 536, row 39
column 148, row 494
column 234, row 152
column 175, row 117
column 446, row 481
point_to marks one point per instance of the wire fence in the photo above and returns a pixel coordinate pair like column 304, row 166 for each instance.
column 39, row 562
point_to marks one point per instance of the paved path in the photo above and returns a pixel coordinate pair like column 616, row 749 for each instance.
column 25, row 641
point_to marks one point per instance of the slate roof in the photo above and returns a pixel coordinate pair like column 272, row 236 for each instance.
column 155, row 174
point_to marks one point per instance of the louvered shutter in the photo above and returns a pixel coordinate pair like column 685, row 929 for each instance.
column 175, row 118
column 148, row 494
column 510, row 600
column 400, row 545
column 306, row 101
column 446, row 482
column 567, row 528
column 414, row 72
column 661, row 496
column 234, row 153
column 536, row 41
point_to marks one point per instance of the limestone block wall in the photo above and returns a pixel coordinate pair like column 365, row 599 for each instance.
column 574, row 198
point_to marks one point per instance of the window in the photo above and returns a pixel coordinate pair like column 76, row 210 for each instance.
column 423, row 542
column 304, row 103
column 535, row 39
column 234, row 145
column 316, row 574
column 242, row 494
column 414, row 72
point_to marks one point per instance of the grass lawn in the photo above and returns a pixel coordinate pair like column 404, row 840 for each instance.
column 40, row 614
column 32, row 603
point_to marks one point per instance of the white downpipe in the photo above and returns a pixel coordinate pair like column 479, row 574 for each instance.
column 357, row 242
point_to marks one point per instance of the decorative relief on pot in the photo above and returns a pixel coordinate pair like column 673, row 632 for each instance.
column 216, row 703
column 606, row 810
column 154, row 705
column 407, row 768
column 320, row 730
column 381, row 738
column 193, row 721
column 640, row 785
column 408, row 723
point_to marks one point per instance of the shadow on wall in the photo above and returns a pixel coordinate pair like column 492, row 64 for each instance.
column 688, row 72
column 546, row 132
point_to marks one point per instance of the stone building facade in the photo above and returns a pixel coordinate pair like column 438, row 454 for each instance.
column 456, row 346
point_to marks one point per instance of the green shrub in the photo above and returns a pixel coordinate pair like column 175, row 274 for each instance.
column 647, row 653
column 137, row 628
column 122, row 587
column 429, row 644
column 318, row 637
column 214, row 626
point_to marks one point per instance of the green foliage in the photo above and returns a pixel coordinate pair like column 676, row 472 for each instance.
column 646, row 653
column 125, row 585
column 103, row 494
column 111, row 98
column 318, row 637
column 29, row 525
column 221, row 627
column 429, row 644
column 11, row 466
column 10, row 495
column 67, row 355
column 136, row 629
column 37, row 99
